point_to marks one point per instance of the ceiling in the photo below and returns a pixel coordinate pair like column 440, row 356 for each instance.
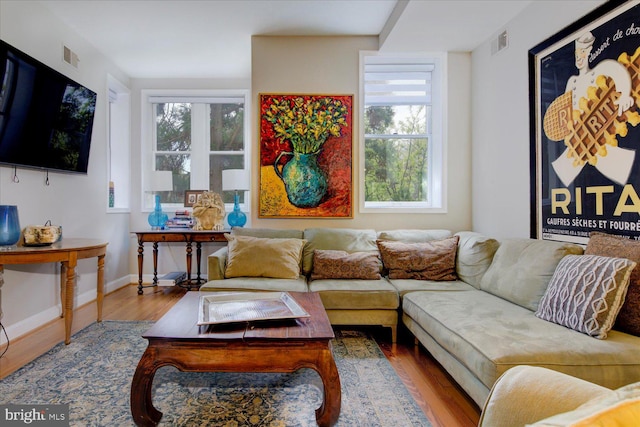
column 212, row 38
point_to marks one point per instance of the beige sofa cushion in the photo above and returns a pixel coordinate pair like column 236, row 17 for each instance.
column 258, row 257
column 489, row 335
column 413, row 236
column 522, row 268
column 271, row 233
column 356, row 294
column 475, row 254
column 586, row 293
column 341, row 239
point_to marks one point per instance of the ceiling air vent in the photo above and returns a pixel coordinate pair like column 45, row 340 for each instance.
column 499, row 43
column 70, row 57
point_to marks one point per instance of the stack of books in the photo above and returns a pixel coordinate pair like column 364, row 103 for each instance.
column 181, row 220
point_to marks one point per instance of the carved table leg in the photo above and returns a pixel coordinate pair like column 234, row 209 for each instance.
column 142, row 409
column 327, row 414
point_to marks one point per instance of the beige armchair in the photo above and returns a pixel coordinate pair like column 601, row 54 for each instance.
column 527, row 394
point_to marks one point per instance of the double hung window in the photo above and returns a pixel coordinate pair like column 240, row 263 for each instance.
column 402, row 149
column 196, row 137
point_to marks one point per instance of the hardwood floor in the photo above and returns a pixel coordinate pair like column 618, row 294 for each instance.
column 444, row 403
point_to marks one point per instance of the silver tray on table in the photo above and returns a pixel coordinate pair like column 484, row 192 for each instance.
column 248, row 306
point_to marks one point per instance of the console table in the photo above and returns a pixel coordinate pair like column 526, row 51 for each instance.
column 188, row 237
column 67, row 252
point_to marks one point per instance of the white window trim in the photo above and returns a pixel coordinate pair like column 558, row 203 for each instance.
column 123, row 149
column 147, row 135
column 438, row 150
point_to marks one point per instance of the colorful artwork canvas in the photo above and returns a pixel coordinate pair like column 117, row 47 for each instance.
column 305, row 156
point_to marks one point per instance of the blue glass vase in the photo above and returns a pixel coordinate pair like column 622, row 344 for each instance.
column 9, row 226
column 236, row 218
column 158, row 219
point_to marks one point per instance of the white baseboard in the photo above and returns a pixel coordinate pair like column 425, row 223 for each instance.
column 29, row 324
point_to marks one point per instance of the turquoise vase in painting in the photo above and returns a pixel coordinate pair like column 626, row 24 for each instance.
column 304, row 181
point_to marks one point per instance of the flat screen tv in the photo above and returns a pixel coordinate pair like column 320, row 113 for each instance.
column 46, row 119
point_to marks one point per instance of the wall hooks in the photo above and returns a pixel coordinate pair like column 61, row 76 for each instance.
column 46, row 180
column 15, row 175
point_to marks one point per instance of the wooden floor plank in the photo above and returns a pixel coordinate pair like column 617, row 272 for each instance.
column 441, row 399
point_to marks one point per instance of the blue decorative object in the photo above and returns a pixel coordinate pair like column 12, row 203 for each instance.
column 9, row 226
column 237, row 218
column 157, row 218
column 304, row 181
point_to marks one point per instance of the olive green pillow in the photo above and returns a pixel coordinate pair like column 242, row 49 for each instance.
column 262, row 257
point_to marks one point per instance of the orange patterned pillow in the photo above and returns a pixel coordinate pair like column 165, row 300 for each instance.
column 432, row 260
column 331, row 264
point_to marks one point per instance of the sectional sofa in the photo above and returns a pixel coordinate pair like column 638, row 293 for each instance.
column 480, row 306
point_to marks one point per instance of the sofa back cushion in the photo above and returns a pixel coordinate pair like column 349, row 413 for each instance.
column 339, row 239
column 270, row 233
column 522, row 268
column 413, row 236
column 475, row 254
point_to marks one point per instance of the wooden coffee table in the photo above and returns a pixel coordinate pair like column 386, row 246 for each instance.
column 279, row 346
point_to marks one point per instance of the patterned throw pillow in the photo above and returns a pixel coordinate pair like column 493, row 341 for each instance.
column 433, row 260
column 615, row 246
column 261, row 257
column 586, row 293
column 331, row 264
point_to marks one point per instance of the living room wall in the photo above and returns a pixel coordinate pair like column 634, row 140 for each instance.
column 331, row 65
column 30, row 296
column 500, row 120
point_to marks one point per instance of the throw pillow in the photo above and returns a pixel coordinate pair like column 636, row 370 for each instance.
column 586, row 293
column 330, row 264
column 628, row 319
column 434, row 260
column 262, row 257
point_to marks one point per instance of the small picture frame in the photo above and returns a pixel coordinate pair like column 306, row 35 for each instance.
column 191, row 197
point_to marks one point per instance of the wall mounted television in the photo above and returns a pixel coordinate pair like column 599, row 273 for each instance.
column 46, row 119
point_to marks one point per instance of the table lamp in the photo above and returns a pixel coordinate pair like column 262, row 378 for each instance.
column 160, row 181
column 235, row 180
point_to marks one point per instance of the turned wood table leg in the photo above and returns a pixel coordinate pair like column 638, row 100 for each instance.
column 140, row 262
column 69, row 294
column 100, row 296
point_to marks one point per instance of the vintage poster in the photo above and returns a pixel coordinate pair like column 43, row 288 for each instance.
column 585, row 90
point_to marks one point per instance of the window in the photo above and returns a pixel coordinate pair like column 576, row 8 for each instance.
column 402, row 145
column 119, row 151
column 195, row 136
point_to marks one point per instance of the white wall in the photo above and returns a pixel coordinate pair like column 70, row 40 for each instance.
column 30, row 295
column 331, row 65
column 500, row 119
column 171, row 257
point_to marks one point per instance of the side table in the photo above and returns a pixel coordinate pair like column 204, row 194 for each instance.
column 188, row 237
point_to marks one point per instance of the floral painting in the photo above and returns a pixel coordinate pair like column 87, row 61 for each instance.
column 305, row 156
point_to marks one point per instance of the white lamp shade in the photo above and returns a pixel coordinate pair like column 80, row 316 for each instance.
column 235, row 179
column 161, row 181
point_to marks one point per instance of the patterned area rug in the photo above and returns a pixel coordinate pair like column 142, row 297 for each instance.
column 93, row 374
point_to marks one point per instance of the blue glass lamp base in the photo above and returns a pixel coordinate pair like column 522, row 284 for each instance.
column 158, row 219
column 236, row 218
